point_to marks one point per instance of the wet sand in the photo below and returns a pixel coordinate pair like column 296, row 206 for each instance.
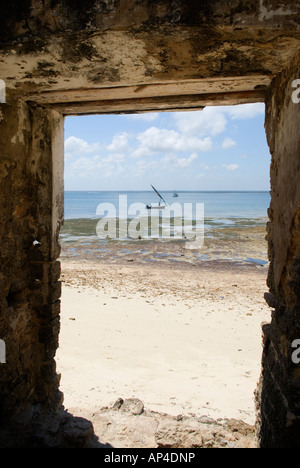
column 241, row 243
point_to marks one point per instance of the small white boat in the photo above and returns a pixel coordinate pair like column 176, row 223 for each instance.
column 159, row 207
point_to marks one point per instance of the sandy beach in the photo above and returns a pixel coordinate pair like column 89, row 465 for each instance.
column 183, row 336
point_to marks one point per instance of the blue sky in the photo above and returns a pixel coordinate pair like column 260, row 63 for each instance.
column 219, row 148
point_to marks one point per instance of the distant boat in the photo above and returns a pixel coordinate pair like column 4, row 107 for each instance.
column 175, row 195
column 159, row 207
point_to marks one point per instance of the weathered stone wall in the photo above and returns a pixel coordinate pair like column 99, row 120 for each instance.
column 280, row 382
column 30, row 210
column 59, row 45
column 85, row 57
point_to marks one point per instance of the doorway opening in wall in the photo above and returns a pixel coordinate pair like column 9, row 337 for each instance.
column 149, row 317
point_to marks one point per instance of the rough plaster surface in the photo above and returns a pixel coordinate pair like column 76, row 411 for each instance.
column 279, row 398
column 109, row 54
column 61, row 46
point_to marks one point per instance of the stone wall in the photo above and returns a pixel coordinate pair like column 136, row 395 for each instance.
column 30, row 215
column 280, row 382
column 59, row 55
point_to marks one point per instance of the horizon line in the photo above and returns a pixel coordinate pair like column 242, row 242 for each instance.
column 171, row 191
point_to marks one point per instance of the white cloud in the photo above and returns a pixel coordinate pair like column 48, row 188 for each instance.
column 169, row 163
column 246, row 111
column 119, row 142
column 203, row 166
column 147, row 117
column 231, row 167
column 213, row 121
column 82, row 167
column 209, row 122
column 228, row 143
column 143, row 166
column 89, row 167
column 76, row 146
column 112, row 171
column 112, row 158
column 141, row 152
column 174, row 146
column 156, row 140
column 172, row 162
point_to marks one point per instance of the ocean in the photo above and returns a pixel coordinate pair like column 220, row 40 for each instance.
column 217, row 205
column 233, row 224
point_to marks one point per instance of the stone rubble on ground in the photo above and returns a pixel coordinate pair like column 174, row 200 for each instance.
column 129, row 425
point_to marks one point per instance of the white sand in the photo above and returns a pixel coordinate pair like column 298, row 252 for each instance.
column 190, row 349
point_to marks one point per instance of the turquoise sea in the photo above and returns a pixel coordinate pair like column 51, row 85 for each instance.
column 234, row 226
column 220, row 206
